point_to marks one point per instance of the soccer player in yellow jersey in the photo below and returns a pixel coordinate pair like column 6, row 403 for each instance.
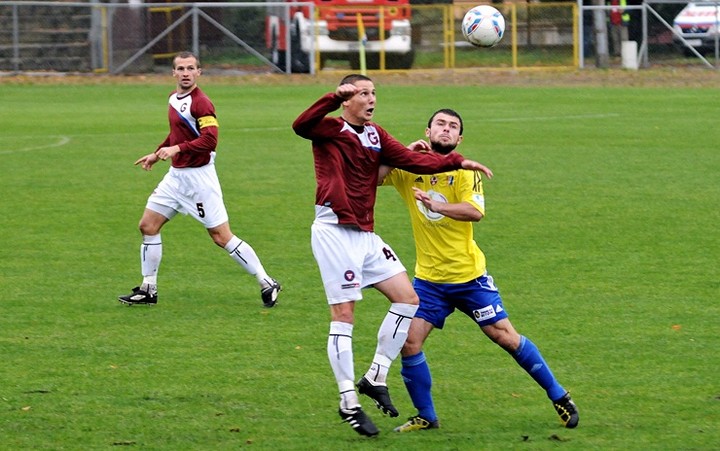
column 450, row 273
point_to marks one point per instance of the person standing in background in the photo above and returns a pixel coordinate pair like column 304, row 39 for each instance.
column 191, row 186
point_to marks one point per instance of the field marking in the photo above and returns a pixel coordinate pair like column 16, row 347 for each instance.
column 62, row 140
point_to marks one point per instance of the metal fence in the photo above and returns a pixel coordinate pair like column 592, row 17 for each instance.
column 131, row 37
column 657, row 40
column 135, row 37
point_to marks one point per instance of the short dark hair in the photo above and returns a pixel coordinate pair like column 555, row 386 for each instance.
column 352, row 78
column 449, row 112
column 186, row 55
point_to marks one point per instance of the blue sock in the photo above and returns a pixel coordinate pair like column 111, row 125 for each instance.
column 418, row 381
column 529, row 358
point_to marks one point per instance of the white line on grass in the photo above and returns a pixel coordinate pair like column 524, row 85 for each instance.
column 61, row 141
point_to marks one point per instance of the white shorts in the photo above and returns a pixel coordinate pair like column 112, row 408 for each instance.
column 193, row 191
column 350, row 260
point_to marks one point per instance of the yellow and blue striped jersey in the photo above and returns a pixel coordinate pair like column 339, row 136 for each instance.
column 445, row 249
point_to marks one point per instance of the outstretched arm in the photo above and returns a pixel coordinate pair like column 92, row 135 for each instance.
column 475, row 166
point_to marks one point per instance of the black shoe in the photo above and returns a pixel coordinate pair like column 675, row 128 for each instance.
column 566, row 408
column 359, row 421
column 138, row 296
column 270, row 294
column 379, row 394
column 417, row 423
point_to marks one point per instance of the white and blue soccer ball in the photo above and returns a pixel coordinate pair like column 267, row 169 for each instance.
column 483, row 26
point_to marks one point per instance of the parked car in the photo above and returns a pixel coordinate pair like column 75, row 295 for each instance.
column 698, row 24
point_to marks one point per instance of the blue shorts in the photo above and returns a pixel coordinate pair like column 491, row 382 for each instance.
column 479, row 299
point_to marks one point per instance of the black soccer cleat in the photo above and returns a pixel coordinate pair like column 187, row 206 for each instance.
column 379, row 394
column 567, row 410
column 270, row 294
column 139, row 296
column 360, row 422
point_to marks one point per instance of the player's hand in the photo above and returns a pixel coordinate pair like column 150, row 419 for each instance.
column 423, row 197
column 475, row 166
column 167, row 152
column 346, row 90
column 419, row 146
column 147, row 161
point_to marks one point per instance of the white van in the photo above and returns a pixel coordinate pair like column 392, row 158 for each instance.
column 698, row 24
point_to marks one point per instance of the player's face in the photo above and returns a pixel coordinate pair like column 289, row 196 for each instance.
column 359, row 108
column 186, row 72
column 444, row 133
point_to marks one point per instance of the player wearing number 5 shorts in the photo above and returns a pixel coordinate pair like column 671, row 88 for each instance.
column 190, row 187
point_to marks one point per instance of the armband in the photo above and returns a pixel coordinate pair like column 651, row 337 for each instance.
column 207, row 121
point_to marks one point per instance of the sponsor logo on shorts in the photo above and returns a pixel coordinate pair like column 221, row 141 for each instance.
column 484, row 313
column 349, row 276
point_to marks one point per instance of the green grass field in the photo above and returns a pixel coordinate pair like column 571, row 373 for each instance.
column 601, row 232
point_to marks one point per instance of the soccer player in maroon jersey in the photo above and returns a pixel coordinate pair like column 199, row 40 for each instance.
column 348, row 151
column 191, row 186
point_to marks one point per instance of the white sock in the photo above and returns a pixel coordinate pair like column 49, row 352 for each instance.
column 391, row 338
column 340, row 354
column 150, row 257
column 246, row 257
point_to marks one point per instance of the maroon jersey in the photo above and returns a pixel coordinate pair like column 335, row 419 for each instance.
column 347, row 159
column 193, row 127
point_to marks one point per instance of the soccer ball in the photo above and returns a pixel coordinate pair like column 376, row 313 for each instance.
column 483, row 26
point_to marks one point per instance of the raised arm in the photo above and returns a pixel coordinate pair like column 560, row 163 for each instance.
column 307, row 125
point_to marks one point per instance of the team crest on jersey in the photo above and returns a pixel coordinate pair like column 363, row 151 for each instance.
column 433, row 180
column 484, row 313
column 370, row 138
column 183, row 108
column 431, row 215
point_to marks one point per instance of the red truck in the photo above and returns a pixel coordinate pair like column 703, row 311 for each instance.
column 333, row 32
